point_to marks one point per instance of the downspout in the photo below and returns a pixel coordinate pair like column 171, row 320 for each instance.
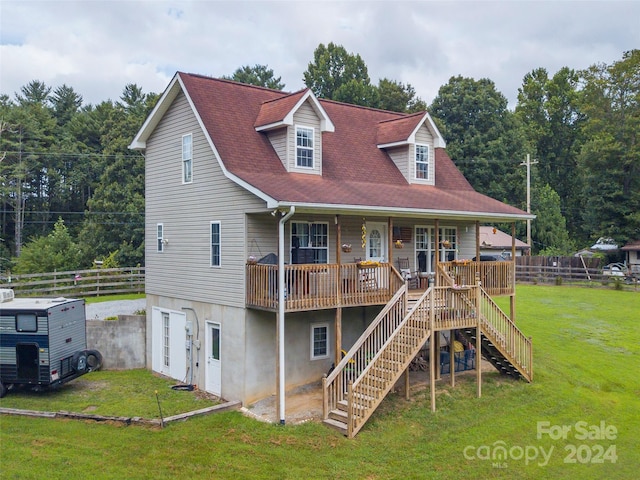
column 281, row 307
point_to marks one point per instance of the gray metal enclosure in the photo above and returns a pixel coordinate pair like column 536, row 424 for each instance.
column 43, row 341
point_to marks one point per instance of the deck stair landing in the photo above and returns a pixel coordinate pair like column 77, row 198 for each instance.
column 360, row 382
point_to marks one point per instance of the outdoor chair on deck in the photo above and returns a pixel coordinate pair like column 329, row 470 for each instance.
column 368, row 278
column 407, row 274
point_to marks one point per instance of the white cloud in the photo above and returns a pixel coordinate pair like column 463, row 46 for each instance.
column 98, row 47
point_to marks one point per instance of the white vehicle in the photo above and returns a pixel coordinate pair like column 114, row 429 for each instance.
column 615, row 270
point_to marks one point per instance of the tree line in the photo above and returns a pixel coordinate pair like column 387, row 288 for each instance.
column 72, row 192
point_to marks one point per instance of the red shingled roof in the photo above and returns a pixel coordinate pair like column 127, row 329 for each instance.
column 274, row 111
column 631, row 246
column 398, row 129
column 354, row 170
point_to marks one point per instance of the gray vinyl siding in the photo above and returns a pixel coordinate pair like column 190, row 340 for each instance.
column 262, row 235
column 305, row 116
column 400, row 156
column 183, row 269
column 278, row 141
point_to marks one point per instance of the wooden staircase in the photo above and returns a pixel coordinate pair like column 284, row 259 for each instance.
column 353, row 391
column 501, row 342
column 360, row 382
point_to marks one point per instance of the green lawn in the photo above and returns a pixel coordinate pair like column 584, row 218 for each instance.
column 586, row 363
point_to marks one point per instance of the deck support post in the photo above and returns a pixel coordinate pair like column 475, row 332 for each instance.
column 407, row 384
column 338, row 335
column 478, row 338
column 512, row 295
column 436, row 341
column 432, row 355
column 452, row 357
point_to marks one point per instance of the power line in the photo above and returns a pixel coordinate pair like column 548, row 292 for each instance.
column 62, row 154
column 34, row 212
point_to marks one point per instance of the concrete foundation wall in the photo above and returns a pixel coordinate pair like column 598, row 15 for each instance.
column 121, row 342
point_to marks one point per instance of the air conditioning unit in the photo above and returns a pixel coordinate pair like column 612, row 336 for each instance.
column 6, row 295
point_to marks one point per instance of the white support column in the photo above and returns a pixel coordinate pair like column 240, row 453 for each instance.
column 281, row 309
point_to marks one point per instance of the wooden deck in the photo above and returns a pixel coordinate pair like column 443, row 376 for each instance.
column 327, row 286
column 321, row 286
column 496, row 278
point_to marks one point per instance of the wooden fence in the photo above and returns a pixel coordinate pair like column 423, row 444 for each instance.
column 554, row 269
column 85, row 283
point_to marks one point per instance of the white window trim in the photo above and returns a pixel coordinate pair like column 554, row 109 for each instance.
column 219, row 264
column 313, row 247
column 312, row 148
column 160, row 237
column 166, row 340
column 431, row 229
column 186, row 160
column 311, row 352
column 427, row 162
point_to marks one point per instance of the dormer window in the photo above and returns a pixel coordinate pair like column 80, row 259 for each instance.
column 304, row 147
column 422, row 162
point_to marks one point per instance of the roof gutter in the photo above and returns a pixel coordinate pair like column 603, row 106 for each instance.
column 281, row 307
column 402, row 211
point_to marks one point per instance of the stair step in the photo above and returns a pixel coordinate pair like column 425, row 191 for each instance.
column 339, row 415
column 344, row 406
column 341, row 427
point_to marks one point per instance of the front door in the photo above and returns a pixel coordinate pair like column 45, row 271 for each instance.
column 377, row 251
column 213, row 371
column 377, row 241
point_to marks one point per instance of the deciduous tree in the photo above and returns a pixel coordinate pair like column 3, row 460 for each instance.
column 259, row 75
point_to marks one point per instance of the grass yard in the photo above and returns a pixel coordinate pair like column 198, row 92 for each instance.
column 586, row 364
column 130, row 393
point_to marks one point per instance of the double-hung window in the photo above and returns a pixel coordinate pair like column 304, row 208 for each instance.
column 319, row 341
column 422, row 162
column 215, row 244
column 160, row 237
column 304, row 147
column 187, row 158
column 309, row 242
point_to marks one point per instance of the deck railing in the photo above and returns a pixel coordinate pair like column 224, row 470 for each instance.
column 503, row 333
column 321, row 286
column 377, row 359
column 361, row 354
column 497, row 278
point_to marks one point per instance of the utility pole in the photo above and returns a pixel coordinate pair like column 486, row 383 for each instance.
column 528, row 164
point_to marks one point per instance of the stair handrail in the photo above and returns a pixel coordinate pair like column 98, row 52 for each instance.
column 428, row 294
column 501, row 330
column 443, row 274
column 357, row 358
column 355, row 423
column 504, row 333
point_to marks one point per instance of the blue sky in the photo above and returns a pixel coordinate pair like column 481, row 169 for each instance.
column 98, row 46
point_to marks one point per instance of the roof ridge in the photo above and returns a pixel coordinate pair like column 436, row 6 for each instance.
column 302, row 91
column 234, row 82
column 361, row 107
column 404, row 117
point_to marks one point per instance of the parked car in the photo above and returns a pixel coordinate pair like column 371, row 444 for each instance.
column 490, row 258
column 615, row 270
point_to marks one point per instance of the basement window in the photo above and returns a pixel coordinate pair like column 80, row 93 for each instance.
column 319, row 341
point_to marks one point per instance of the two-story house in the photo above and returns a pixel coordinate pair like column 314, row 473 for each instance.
column 353, row 211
